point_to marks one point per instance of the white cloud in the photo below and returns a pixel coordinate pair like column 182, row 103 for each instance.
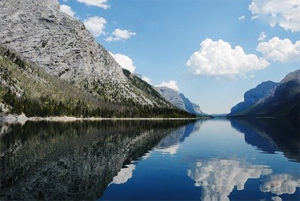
column 95, row 25
column 171, row 84
column 146, row 79
column 124, row 61
column 280, row 50
column 262, row 36
column 218, row 178
column 218, row 59
column 67, row 9
column 285, row 13
column 120, row 34
column 98, row 3
column 242, row 18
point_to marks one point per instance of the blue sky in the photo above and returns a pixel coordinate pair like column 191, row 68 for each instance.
column 210, row 50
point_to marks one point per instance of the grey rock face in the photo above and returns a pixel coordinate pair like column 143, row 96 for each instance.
column 62, row 46
column 179, row 100
column 254, row 96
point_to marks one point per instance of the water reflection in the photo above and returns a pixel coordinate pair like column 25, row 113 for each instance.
column 280, row 184
column 170, row 144
column 75, row 160
column 150, row 160
column 219, row 177
column 271, row 135
column 124, row 175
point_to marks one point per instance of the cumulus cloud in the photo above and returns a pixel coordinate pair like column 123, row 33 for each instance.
column 171, row 84
column 95, row 25
column 98, row 3
column 218, row 178
column 124, row 61
column 280, row 50
column 67, row 9
column 262, row 36
column 285, row 13
column 219, row 59
column 120, row 34
column 242, row 18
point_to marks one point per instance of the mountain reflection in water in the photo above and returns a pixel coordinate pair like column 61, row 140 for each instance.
column 272, row 135
column 76, row 160
column 235, row 159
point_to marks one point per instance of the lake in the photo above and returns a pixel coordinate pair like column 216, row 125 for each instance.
column 219, row 159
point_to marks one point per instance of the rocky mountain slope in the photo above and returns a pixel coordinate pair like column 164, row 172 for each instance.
column 179, row 100
column 28, row 89
column 253, row 97
column 61, row 46
column 284, row 99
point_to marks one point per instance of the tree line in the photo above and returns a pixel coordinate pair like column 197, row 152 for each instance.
column 45, row 106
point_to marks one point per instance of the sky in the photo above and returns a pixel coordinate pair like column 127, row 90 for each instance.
column 212, row 51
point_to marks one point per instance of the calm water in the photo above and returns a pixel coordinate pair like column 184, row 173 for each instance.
column 151, row 160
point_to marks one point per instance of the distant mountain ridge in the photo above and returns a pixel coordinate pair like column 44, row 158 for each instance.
column 179, row 100
column 283, row 100
column 253, row 97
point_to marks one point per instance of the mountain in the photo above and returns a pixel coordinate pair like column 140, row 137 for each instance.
column 52, row 65
column 253, row 97
column 284, row 99
column 61, row 46
column 179, row 100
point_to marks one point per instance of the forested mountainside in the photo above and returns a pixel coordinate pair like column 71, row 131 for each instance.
column 51, row 59
column 282, row 101
column 26, row 88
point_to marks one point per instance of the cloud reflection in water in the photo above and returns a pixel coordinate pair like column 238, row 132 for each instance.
column 280, row 184
column 218, row 177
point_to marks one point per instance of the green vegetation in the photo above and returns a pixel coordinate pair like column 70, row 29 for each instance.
column 27, row 89
column 144, row 86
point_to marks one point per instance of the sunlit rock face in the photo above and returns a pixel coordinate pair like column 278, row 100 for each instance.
column 56, row 42
column 179, row 100
column 63, row 47
column 218, row 177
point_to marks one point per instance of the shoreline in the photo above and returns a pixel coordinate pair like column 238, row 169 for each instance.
column 23, row 119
